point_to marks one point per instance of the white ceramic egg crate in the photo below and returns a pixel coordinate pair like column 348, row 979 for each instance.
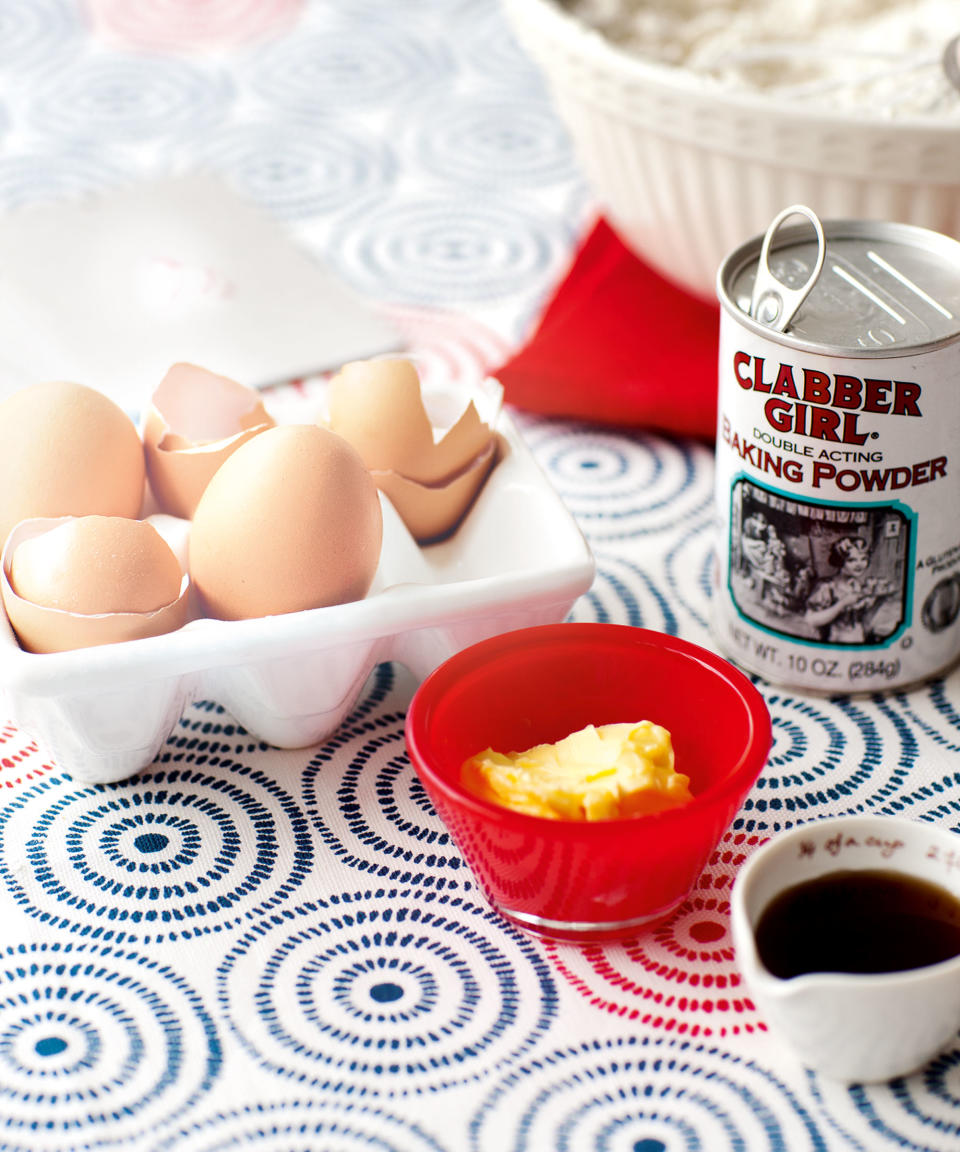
column 518, row 558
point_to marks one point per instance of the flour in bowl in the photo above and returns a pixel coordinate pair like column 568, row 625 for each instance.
column 880, row 56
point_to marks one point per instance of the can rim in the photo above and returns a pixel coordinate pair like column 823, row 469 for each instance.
column 913, row 235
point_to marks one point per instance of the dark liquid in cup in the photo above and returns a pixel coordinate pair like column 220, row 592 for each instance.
column 858, row 921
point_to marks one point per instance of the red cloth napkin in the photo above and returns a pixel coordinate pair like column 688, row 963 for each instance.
column 619, row 344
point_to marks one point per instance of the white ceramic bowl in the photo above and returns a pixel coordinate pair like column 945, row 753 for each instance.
column 687, row 172
column 848, row 1026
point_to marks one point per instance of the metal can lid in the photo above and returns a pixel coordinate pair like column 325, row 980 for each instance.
column 884, row 289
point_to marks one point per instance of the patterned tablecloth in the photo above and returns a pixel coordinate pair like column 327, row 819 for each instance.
column 247, row 947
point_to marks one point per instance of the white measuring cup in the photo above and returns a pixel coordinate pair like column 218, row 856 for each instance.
column 848, row 1026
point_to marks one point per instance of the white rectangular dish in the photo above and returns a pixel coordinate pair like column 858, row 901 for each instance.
column 517, row 559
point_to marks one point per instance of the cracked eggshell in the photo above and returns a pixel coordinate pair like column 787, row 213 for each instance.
column 429, row 455
column 290, row 522
column 78, row 582
column 379, row 407
column 431, row 512
column 67, row 450
column 196, row 420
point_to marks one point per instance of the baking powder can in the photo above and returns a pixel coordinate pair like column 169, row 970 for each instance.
column 838, row 454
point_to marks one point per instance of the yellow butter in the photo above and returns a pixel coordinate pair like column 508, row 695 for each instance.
column 598, row 773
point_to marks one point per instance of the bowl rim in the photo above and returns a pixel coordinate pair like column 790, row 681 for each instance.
column 738, row 780
column 576, row 37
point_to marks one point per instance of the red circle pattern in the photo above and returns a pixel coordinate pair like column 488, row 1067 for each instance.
column 185, row 25
column 681, row 977
column 20, row 759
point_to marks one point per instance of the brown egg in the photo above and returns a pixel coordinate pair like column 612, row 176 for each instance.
column 67, row 450
column 430, row 469
column 78, row 582
column 195, row 421
column 290, row 521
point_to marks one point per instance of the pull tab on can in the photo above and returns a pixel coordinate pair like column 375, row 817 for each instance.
column 774, row 303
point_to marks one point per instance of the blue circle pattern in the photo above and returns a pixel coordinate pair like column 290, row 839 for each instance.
column 29, row 179
column 34, row 36
column 944, row 728
column 432, row 251
column 51, row 1042
column 403, row 846
column 577, row 1097
column 131, row 100
column 678, row 571
column 93, row 1036
column 826, row 754
column 935, row 801
column 613, row 598
column 303, row 176
column 116, row 880
column 494, row 144
column 303, row 1124
column 344, row 68
column 918, row 1113
column 624, row 486
column 495, row 54
column 345, row 992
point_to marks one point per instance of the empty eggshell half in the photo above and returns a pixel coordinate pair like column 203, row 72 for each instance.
column 82, row 581
column 431, row 511
column 428, row 455
column 195, row 421
column 379, row 407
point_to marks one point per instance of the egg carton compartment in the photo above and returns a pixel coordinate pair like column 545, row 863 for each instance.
column 517, row 559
